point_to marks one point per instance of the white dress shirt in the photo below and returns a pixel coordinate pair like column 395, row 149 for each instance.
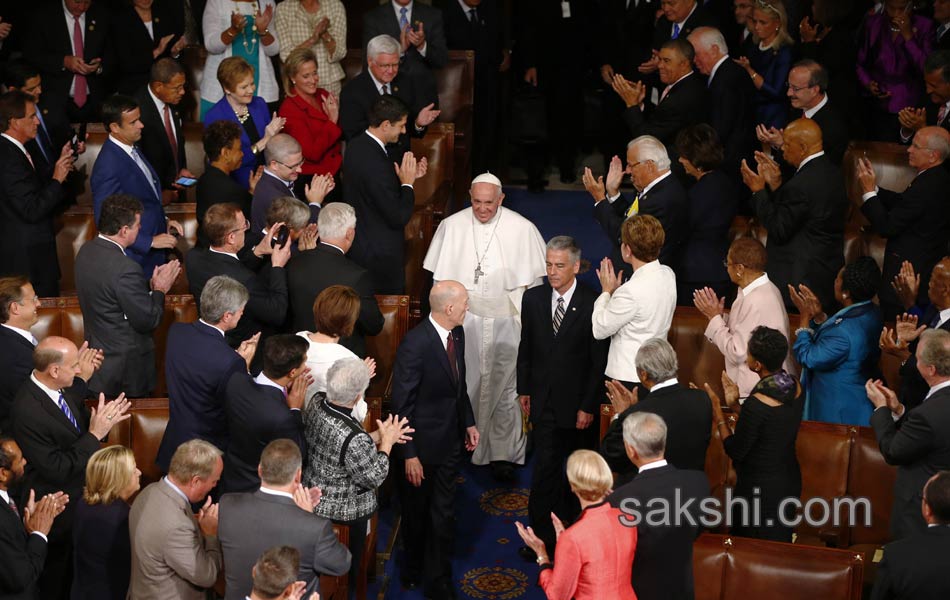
column 442, row 331
column 810, row 113
column 21, row 332
column 567, row 298
column 70, row 27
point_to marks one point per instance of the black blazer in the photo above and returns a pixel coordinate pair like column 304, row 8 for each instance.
column 268, row 189
column 134, row 46
column 22, row 557
column 713, row 201
column 913, row 387
column 383, row 209
column 28, row 203
column 16, row 356
column 687, row 103
column 732, row 114
column 627, row 35
column 216, row 186
column 701, row 17
column 805, row 219
column 312, row 271
column 915, row 567
column 102, row 553
column 688, row 416
column 425, row 392
column 563, row 371
column 267, row 305
column 58, row 132
column 198, row 365
column 663, row 569
column 834, row 132
column 486, row 39
column 257, row 415
column 382, row 20
column 919, row 445
column 154, row 143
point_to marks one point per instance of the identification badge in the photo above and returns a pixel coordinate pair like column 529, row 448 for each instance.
column 565, row 9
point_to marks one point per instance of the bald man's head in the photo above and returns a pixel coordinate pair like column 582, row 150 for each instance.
column 448, row 301
column 802, row 139
column 56, row 362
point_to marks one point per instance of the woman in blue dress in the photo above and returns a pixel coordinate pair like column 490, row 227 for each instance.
column 769, row 62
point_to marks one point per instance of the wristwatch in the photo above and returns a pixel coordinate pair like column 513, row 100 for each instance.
column 542, row 560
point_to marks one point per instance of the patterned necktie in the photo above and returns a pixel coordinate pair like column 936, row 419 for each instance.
column 170, row 132
column 450, row 350
column 941, row 114
column 13, row 507
column 65, row 408
column 403, row 20
column 558, row 314
column 385, row 89
column 80, row 92
column 676, row 31
column 472, row 16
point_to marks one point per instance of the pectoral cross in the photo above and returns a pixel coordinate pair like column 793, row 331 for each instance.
column 478, row 272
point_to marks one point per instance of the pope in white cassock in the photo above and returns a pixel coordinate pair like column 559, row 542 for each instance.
column 496, row 254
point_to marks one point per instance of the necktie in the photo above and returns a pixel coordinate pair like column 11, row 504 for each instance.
column 558, row 314
column 13, row 507
column 941, row 114
column 80, row 93
column 42, row 138
column 450, row 350
column 145, row 170
column 666, row 91
column 635, row 207
column 34, row 341
column 385, row 89
column 472, row 16
column 170, row 132
column 676, row 31
column 65, row 408
column 403, row 20
column 935, row 321
column 30, row 158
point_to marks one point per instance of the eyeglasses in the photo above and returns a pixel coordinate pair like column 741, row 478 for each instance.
column 247, row 225
column 797, row 88
column 387, row 66
column 292, row 167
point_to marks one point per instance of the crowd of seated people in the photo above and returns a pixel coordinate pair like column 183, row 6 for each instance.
column 725, row 107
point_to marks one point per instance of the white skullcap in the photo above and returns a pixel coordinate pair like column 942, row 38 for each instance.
column 487, row 178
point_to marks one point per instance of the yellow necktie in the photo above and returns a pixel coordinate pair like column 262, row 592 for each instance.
column 634, row 208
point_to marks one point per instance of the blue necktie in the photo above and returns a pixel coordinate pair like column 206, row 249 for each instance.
column 43, row 140
column 403, row 21
column 65, row 408
column 676, row 31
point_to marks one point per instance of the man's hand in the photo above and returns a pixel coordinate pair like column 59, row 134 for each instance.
column 417, row 37
column 254, row 177
column 531, row 76
column 404, row 42
column 75, row 64
column 164, row 241
column 471, row 438
column 809, row 31
column 208, row 517
column 769, row 170
column 708, row 303
column 64, row 164
column 90, row 360
column 893, row 345
column 302, row 498
column 595, row 187
column 5, row 29
column 331, row 106
column 609, row 279
column 427, row 115
column 107, row 415
column 620, row 397
column 607, row 74
column 422, row 167
column 164, row 275
column 770, row 135
column 370, row 363
column 752, row 179
column 866, row 177
column 297, row 390
column 281, row 254
column 39, row 516
column 880, row 395
column 615, row 174
column 297, row 591
column 248, row 348
column 907, row 329
column 912, row 118
column 263, row 248
column 176, row 227
column 632, row 93
column 318, row 188
column 906, row 285
column 162, row 44
column 414, row 474
column 178, row 46
column 584, row 419
column 406, row 172
column 878, row 91
column 308, row 237
column 651, row 65
column 525, row 402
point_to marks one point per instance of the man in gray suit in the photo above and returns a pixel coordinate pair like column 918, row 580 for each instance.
column 280, row 512
column 120, row 308
column 175, row 555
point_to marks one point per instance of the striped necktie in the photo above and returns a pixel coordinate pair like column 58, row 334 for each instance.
column 65, row 408
column 558, row 314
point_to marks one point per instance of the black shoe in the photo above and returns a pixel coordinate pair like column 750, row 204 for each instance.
column 527, row 554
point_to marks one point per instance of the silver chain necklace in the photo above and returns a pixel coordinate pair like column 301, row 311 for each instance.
column 478, row 260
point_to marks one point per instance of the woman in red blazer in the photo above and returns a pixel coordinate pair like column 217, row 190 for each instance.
column 311, row 114
column 593, row 558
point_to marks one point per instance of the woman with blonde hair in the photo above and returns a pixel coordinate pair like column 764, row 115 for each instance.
column 593, row 558
column 101, row 548
column 769, row 62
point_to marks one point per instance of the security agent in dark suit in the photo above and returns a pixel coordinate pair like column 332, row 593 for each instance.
column 383, row 199
column 251, row 522
column 418, row 28
column 283, row 159
column 263, row 409
column 663, row 569
column 685, row 411
column 222, row 146
column 560, row 372
column 120, row 307
column 58, row 434
column 915, row 222
column 198, row 365
column 804, row 216
column 18, row 304
column 312, row 271
column 915, row 568
column 28, row 199
column 429, row 390
column 382, row 77
column 917, row 441
column 937, row 110
column 23, row 538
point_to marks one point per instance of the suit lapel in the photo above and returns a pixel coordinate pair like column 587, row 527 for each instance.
column 53, row 410
column 439, row 348
column 570, row 313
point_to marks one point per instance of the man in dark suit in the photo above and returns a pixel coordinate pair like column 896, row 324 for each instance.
column 163, row 139
column 23, row 539
column 915, row 222
column 804, row 216
column 384, row 200
column 249, row 523
column 942, row 18
column 222, row 146
column 28, row 199
column 679, row 19
column 284, row 159
column 312, row 271
column 937, row 110
column 663, row 568
column 58, row 434
column 915, row 568
column 917, row 441
column 266, row 306
column 18, row 304
column 120, row 168
column 120, row 307
column 382, row 78
column 560, row 372
column 429, row 390
column 265, row 408
column 686, row 412
column 198, row 365
column 417, row 27
column 73, row 49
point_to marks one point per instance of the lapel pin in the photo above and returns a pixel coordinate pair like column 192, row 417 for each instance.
column 573, row 308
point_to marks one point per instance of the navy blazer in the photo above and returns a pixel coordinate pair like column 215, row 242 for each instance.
column 102, row 553
column 268, row 189
column 198, row 364
column 116, row 173
column 713, row 201
column 425, row 392
column 16, row 356
column 222, row 111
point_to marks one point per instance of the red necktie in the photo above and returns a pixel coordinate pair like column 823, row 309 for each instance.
column 13, row 507
column 170, row 132
column 80, row 93
column 450, row 350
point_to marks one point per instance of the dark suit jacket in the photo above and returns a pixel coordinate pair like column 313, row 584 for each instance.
column 915, row 567
column 312, row 271
column 22, row 557
column 627, row 35
column 687, row 103
column 251, row 523
column 55, row 451
column 663, row 568
column 563, row 371
column 688, row 417
column 257, row 415
column 198, row 365
column 119, row 316
column 383, row 20
column 28, row 203
column 916, row 223
column 154, row 143
column 486, row 39
column 425, row 392
column 732, row 115
column 267, row 306
column 713, row 201
column 919, row 445
column 268, row 189
column 805, row 223
column 102, row 557
column 913, row 387
column 834, row 132
column 116, row 173
column 383, row 209
column 134, row 46
column 701, row 17
column 216, row 186
column 16, row 356
column 58, row 132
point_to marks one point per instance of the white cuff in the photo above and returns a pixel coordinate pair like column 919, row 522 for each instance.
column 868, row 195
column 613, row 198
column 408, row 185
column 42, row 535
